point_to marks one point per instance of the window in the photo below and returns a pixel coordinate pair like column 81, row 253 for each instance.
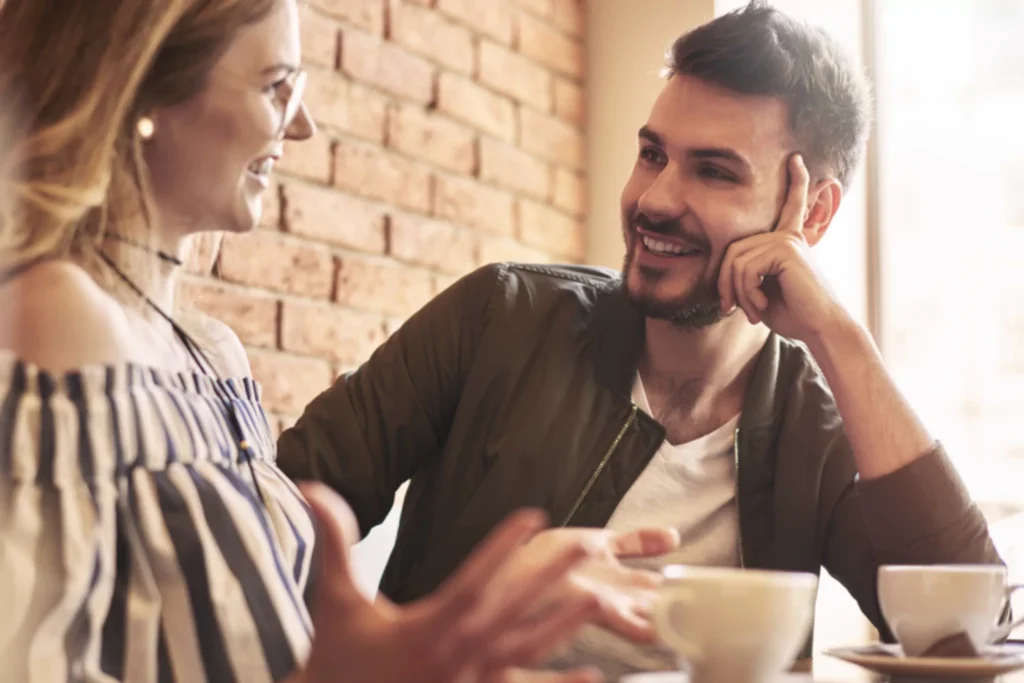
column 950, row 98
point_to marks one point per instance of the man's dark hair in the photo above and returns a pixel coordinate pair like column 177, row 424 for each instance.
column 759, row 50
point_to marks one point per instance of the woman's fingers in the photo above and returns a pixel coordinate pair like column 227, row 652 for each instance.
column 467, row 588
column 337, row 532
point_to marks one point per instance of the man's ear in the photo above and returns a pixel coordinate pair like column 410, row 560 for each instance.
column 823, row 201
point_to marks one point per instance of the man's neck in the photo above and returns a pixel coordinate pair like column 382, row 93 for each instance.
column 696, row 379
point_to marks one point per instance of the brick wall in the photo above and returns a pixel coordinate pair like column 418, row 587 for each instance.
column 450, row 136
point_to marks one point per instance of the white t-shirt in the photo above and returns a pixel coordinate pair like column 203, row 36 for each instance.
column 692, row 487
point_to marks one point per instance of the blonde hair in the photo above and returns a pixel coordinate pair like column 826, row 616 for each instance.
column 75, row 77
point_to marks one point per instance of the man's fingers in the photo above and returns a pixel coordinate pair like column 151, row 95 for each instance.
column 645, row 542
column 627, row 623
column 751, row 271
column 743, row 295
column 791, row 218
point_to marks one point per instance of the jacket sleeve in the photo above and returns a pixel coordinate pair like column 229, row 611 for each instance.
column 919, row 514
column 374, row 428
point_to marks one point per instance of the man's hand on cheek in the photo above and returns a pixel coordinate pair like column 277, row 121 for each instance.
column 772, row 278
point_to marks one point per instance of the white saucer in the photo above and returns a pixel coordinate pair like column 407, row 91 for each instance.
column 889, row 659
column 680, row 677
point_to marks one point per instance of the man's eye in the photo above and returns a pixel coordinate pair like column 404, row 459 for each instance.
column 715, row 173
column 651, row 155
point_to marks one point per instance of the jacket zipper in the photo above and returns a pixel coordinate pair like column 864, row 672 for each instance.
column 739, row 526
column 600, row 465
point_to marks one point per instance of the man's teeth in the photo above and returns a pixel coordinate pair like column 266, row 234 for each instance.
column 666, row 248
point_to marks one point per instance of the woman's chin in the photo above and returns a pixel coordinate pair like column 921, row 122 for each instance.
column 248, row 216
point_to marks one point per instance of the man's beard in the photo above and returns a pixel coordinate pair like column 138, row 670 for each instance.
column 698, row 308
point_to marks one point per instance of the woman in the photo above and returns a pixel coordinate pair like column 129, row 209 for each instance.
column 145, row 532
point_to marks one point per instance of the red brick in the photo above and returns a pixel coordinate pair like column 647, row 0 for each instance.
column 386, row 66
column 276, row 263
column 514, row 75
column 430, row 34
column 470, row 203
column 310, row 159
column 432, row 243
column 271, row 210
column 570, row 192
column 366, row 14
column 541, row 8
column 330, row 216
column 569, row 104
column 549, row 46
column 337, row 334
column 489, row 17
column 550, row 138
column 382, row 285
column 510, row 167
column 349, row 107
column 466, row 101
column 424, row 135
column 392, row 325
column 378, row 174
column 443, row 282
column 546, row 228
column 570, row 16
column 496, row 250
column 289, row 383
column 319, row 37
column 251, row 315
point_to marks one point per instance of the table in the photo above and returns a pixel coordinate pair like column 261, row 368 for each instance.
column 825, row 669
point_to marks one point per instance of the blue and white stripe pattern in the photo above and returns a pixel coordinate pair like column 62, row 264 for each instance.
column 133, row 544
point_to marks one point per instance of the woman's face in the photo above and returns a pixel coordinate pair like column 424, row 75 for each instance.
column 212, row 156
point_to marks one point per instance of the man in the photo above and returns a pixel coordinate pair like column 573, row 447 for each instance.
column 717, row 387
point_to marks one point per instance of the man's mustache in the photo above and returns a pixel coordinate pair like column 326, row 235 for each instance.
column 672, row 228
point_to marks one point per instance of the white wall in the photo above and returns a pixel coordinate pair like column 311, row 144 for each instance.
column 626, row 43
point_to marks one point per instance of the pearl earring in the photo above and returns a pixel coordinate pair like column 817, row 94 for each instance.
column 145, row 127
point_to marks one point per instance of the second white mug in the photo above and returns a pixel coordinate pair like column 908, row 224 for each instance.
column 925, row 604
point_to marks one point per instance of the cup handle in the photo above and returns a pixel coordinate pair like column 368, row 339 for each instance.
column 1001, row 633
column 664, row 618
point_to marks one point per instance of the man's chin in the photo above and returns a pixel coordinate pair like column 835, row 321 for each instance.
column 692, row 312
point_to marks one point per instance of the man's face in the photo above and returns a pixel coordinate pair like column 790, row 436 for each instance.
column 710, row 170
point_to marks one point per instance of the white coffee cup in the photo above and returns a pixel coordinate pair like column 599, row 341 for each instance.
column 925, row 604
column 734, row 625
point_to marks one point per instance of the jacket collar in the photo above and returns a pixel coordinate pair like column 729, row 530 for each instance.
column 616, row 337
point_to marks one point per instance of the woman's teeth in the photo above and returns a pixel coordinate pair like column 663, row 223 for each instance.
column 662, row 248
column 263, row 167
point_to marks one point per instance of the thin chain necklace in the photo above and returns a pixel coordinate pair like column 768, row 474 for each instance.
column 162, row 255
column 201, row 360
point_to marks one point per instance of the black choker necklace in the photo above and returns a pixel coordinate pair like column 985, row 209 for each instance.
column 162, row 255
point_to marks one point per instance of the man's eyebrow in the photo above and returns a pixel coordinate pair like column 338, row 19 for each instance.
column 720, row 153
column 646, row 133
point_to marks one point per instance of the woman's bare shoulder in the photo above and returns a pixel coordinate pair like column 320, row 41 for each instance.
column 56, row 316
column 216, row 336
